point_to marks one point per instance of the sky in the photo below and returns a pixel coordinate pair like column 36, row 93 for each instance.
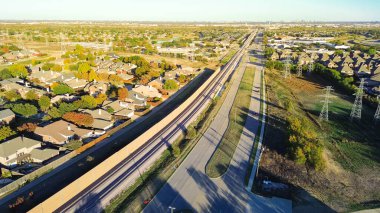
column 192, row 10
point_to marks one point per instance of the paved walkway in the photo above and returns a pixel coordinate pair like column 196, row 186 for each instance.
column 190, row 188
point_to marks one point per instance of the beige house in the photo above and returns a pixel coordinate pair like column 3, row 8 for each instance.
column 6, row 116
column 147, row 91
column 61, row 132
column 21, row 149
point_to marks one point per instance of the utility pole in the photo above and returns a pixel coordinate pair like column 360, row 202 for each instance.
column 299, row 70
column 377, row 113
column 357, row 107
column 287, row 67
column 324, row 115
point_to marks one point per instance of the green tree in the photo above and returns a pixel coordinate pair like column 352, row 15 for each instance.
column 54, row 112
column 44, row 103
column 191, row 132
column 12, row 95
column 88, row 102
column 182, row 78
column 25, row 110
column 176, row 151
column 5, row 132
column 170, row 84
column 61, row 89
column 5, row 74
column 31, row 95
column 18, row 70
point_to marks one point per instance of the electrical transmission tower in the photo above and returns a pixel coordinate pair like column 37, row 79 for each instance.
column 324, row 115
column 287, row 67
column 377, row 114
column 310, row 67
column 357, row 107
column 299, row 70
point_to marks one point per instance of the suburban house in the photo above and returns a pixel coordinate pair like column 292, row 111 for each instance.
column 6, row 116
column 45, row 77
column 147, row 91
column 96, row 88
column 120, row 108
column 13, row 84
column 136, row 99
column 103, row 120
column 76, row 83
column 66, row 98
column 61, row 132
column 21, row 149
column 157, row 83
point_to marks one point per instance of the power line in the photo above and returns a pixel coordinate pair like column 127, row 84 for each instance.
column 324, row 115
column 356, row 112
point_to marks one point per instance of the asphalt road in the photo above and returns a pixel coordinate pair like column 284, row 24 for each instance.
column 190, row 188
column 99, row 194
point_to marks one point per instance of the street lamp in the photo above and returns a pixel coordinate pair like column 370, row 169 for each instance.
column 171, row 209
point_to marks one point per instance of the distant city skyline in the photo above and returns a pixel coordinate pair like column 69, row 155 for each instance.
column 192, row 11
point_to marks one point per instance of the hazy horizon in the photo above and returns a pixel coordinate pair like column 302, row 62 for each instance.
column 192, row 11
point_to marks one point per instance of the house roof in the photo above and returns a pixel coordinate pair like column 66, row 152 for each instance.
column 59, row 130
column 43, row 154
column 120, row 108
column 346, row 69
column 10, row 147
column 6, row 113
column 147, row 91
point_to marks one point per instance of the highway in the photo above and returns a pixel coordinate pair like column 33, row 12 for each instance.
column 189, row 188
column 99, row 193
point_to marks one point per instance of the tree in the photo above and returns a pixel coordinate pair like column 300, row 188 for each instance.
column 31, row 95
column 191, row 132
column 182, row 78
column 176, row 150
column 372, row 51
column 61, row 88
column 122, row 93
column 12, row 95
column 88, row 102
column 5, row 132
column 27, row 127
column 5, row 74
column 18, row 70
column 92, row 75
column 56, row 67
column 67, row 107
column 81, row 119
column 170, row 84
column 25, row 110
column 100, row 98
column 44, row 103
column 54, row 112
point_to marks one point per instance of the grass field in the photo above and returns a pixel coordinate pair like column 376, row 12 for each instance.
column 350, row 180
column 220, row 160
column 228, row 56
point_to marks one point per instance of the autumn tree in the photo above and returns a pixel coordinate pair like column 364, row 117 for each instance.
column 122, row 93
column 182, row 78
column 100, row 98
column 27, row 127
column 81, row 119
